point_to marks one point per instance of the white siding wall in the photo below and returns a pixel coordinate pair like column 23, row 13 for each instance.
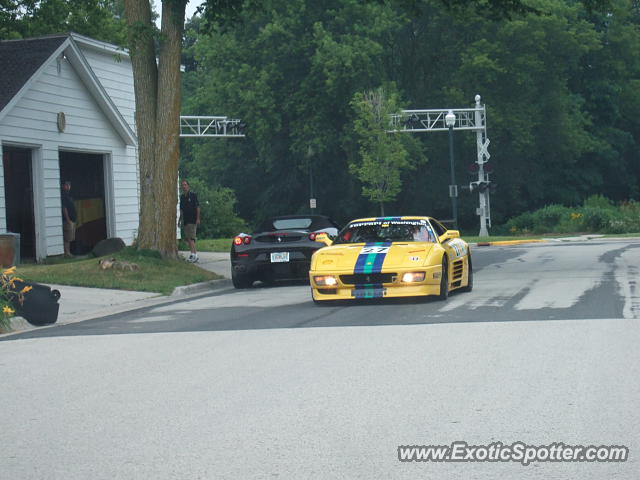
column 116, row 76
column 32, row 122
column 3, row 203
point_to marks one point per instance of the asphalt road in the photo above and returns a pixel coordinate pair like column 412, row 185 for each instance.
column 264, row 384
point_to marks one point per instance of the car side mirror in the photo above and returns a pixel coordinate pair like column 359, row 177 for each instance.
column 449, row 234
column 324, row 238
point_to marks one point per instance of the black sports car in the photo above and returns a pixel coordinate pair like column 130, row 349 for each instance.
column 280, row 251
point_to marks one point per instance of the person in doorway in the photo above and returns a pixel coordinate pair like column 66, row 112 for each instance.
column 69, row 217
column 189, row 218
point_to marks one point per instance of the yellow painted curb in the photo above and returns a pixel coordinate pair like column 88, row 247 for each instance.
column 511, row 242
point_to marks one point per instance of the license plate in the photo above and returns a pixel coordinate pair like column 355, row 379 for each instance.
column 369, row 292
column 278, row 257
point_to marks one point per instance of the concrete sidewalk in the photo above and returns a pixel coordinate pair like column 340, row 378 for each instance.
column 217, row 262
column 79, row 303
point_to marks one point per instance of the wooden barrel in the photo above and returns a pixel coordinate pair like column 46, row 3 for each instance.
column 8, row 247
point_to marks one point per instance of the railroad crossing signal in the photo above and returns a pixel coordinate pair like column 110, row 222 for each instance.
column 481, row 187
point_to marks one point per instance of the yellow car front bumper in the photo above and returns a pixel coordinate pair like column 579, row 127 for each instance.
column 344, row 290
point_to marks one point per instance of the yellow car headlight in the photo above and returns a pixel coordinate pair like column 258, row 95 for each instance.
column 325, row 280
column 412, row 277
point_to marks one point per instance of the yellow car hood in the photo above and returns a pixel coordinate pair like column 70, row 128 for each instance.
column 350, row 257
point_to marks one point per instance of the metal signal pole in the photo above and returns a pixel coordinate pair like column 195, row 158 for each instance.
column 450, row 120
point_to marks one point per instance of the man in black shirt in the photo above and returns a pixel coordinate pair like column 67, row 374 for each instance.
column 69, row 217
column 189, row 218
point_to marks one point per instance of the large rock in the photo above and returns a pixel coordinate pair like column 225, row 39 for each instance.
column 108, row 246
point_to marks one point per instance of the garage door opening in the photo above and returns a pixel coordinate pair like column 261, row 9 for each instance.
column 18, row 192
column 85, row 171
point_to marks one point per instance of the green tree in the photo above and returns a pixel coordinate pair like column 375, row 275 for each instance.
column 100, row 19
column 560, row 97
column 381, row 157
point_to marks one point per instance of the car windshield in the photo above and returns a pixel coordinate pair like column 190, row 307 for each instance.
column 387, row 231
column 292, row 223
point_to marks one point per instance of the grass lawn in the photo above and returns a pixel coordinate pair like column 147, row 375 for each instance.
column 208, row 245
column 224, row 244
column 154, row 274
column 622, row 235
column 475, row 239
column 500, row 238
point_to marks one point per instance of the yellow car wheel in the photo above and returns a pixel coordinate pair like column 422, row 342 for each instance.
column 444, row 280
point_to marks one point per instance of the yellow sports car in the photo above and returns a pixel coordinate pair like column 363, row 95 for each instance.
column 391, row 257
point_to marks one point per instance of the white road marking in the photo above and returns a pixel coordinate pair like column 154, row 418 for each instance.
column 628, row 277
column 555, row 278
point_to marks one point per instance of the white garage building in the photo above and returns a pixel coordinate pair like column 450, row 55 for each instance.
column 66, row 113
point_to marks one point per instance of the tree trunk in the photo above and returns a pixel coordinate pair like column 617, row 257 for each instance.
column 382, row 209
column 157, row 92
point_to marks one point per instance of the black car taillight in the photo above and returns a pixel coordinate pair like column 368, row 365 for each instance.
column 242, row 239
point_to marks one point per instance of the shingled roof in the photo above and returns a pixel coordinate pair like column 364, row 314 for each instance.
column 20, row 59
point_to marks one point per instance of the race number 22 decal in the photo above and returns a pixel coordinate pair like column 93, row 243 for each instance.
column 371, row 257
column 377, row 249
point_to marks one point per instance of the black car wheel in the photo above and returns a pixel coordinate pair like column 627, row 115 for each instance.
column 241, row 281
column 444, row 280
column 469, row 286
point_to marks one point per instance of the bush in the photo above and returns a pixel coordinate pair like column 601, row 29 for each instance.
column 599, row 201
column 596, row 219
column 521, row 224
column 549, row 218
column 626, row 220
column 597, row 215
column 9, row 295
column 217, row 211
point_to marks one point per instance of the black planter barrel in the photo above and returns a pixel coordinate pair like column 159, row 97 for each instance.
column 40, row 306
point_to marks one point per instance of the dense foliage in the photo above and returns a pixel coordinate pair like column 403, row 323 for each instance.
column 100, row 19
column 381, row 158
column 596, row 215
column 217, row 205
column 560, row 88
column 560, row 83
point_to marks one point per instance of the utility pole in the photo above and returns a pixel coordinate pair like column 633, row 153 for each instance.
column 312, row 200
column 450, row 121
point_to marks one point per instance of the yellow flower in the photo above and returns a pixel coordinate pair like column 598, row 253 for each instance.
column 26, row 289
column 7, row 309
column 9, row 271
